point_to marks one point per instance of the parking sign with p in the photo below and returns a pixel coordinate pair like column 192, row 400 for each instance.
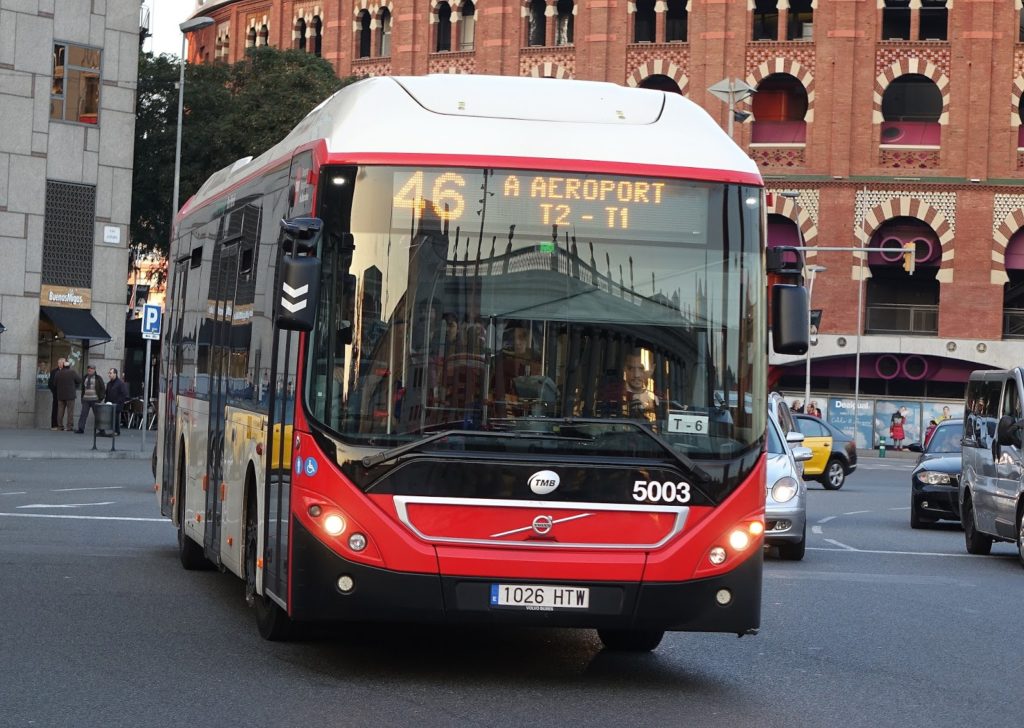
column 151, row 321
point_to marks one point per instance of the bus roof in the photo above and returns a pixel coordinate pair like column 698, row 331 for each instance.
column 515, row 118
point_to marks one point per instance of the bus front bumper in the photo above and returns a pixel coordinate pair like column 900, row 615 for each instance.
column 381, row 595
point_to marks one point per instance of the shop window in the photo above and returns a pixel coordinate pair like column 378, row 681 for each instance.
column 676, row 22
column 896, row 20
column 800, row 21
column 934, row 20
column 779, row 107
column 467, row 26
column 911, row 107
column 766, row 20
column 643, row 22
column 444, row 28
column 75, row 91
column 564, row 22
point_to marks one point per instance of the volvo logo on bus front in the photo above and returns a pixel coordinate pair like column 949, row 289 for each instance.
column 544, row 481
column 542, row 525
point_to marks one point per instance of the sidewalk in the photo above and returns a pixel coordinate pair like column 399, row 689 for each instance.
column 48, row 444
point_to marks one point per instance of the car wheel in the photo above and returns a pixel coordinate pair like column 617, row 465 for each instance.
column 631, row 640
column 794, row 551
column 834, row 475
column 919, row 521
column 977, row 543
column 1020, row 535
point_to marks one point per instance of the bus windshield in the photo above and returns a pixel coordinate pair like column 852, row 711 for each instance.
column 566, row 306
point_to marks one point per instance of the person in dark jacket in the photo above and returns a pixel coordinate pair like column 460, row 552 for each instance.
column 67, row 381
column 117, row 394
column 51, row 384
column 93, row 391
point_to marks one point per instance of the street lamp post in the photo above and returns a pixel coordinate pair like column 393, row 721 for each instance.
column 187, row 27
column 812, row 270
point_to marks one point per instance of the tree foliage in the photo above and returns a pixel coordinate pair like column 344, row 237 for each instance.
column 230, row 112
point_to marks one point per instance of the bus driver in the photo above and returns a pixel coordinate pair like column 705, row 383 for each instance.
column 639, row 398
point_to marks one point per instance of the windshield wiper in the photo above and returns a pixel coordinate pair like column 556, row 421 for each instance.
column 385, row 455
column 686, row 462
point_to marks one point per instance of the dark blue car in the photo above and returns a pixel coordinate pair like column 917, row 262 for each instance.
column 933, row 489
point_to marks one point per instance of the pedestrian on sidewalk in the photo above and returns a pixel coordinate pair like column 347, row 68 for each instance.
column 93, row 391
column 51, row 384
column 67, row 381
column 117, row 394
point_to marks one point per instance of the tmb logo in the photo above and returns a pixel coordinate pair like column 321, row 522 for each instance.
column 544, row 481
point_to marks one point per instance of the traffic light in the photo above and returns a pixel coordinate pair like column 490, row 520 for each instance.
column 909, row 257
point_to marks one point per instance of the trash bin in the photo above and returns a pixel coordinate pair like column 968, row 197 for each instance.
column 103, row 422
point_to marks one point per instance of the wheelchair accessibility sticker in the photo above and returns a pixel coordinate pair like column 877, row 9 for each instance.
column 311, row 466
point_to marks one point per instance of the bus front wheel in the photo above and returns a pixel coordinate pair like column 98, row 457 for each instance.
column 631, row 640
column 272, row 621
column 190, row 553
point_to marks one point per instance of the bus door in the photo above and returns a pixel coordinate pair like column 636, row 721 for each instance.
column 281, row 407
column 174, row 321
column 223, row 283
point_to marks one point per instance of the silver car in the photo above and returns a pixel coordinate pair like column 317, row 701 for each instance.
column 785, row 517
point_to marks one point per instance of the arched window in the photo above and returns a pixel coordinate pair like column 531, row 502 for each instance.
column 661, row 82
column 317, row 35
column 800, row 21
column 563, row 29
column 897, row 302
column 299, row 34
column 1013, row 291
column 263, row 37
column 364, row 34
column 444, row 28
column 676, row 21
column 384, row 33
column 934, row 20
column 250, row 37
column 643, row 22
column 536, row 34
column 911, row 107
column 896, row 20
column 467, row 26
column 779, row 107
column 766, row 20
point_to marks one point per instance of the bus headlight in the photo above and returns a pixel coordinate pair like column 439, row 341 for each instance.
column 717, row 555
column 785, row 489
column 739, row 539
column 334, row 524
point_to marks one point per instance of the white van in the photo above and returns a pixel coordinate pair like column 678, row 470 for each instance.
column 992, row 481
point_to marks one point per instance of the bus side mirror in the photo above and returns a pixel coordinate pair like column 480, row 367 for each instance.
column 299, row 293
column 790, row 309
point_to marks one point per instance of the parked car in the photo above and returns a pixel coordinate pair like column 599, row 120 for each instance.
column 936, row 477
column 785, row 517
column 835, row 452
column 991, row 489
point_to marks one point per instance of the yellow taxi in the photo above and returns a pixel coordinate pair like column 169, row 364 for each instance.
column 834, row 452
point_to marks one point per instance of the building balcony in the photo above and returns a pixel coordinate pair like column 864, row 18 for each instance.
column 1013, row 323
column 902, row 319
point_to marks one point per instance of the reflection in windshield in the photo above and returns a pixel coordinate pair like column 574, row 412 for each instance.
column 471, row 316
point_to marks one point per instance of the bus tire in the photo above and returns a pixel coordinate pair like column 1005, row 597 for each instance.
column 190, row 553
column 631, row 640
column 273, row 623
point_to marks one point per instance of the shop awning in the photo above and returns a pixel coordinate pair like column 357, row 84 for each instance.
column 76, row 324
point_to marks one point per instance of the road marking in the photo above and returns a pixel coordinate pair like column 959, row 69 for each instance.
column 15, row 492
column 826, row 519
column 102, row 487
column 84, row 518
column 66, row 505
column 848, row 549
column 816, row 530
column 840, row 545
column 857, row 513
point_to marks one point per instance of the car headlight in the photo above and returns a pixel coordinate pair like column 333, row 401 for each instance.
column 785, row 489
column 931, row 477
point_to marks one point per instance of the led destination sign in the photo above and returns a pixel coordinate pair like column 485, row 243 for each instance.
column 535, row 202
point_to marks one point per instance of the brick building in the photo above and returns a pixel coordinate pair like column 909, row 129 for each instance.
column 875, row 123
column 68, row 74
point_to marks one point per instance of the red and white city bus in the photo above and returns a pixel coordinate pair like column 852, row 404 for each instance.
column 478, row 349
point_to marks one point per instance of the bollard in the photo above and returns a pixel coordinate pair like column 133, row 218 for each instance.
column 881, row 448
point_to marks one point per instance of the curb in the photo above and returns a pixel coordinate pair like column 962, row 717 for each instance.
column 74, row 455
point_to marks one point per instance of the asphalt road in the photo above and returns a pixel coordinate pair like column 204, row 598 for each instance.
column 878, row 626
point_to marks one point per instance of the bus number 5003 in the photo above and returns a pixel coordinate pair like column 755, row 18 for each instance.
column 646, row 491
